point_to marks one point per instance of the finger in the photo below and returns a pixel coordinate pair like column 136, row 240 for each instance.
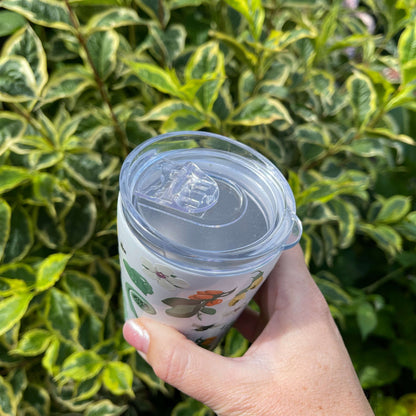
column 199, row 373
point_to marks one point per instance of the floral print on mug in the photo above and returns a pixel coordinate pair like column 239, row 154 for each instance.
column 196, row 304
column 163, row 275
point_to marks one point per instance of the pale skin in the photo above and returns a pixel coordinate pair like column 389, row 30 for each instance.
column 297, row 364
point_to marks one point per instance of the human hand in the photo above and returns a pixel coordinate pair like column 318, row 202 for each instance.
column 297, row 364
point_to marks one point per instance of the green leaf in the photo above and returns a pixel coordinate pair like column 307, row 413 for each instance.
column 49, row 13
column 333, row 293
column 207, row 59
column 140, row 282
column 16, row 271
column 260, row 110
column 10, row 22
column 26, row 43
column 104, row 408
column 385, row 237
column 21, row 235
column 48, row 229
column 50, row 270
column 5, row 216
column 102, row 48
column 33, row 342
column 363, row 98
column 167, row 44
column 118, row 378
column 61, row 314
column 158, row 11
column 235, row 344
column 393, row 209
column 313, row 142
column 407, row 46
column 12, row 310
column 111, row 19
column 12, row 127
column 17, row 81
column 184, row 120
column 86, row 291
column 81, row 365
column 376, row 368
column 66, row 83
column 39, row 398
column 346, row 221
column 366, row 319
column 253, row 11
column 156, row 77
column 408, row 76
column 191, row 407
column 8, row 405
column 165, row 109
column 80, row 220
column 239, row 49
column 11, row 176
column 90, row 168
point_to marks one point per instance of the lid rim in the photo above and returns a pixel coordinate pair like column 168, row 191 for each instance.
column 273, row 240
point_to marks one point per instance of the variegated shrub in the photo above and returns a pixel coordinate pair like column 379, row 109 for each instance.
column 325, row 89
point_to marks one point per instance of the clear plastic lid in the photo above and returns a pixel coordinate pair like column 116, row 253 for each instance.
column 207, row 202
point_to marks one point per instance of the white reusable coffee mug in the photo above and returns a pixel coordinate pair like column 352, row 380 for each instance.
column 202, row 220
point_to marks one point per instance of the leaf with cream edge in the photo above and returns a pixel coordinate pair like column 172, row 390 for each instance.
column 12, row 310
column 50, row 270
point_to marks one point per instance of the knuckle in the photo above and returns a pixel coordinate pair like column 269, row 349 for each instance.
column 172, row 364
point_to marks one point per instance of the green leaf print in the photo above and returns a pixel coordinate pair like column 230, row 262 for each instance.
column 138, row 280
column 135, row 298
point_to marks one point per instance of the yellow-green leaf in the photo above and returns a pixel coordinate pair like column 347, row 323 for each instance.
column 118, row 378
column 184, row 120
column 394, row 209
column 33, row 342
column 5, row 216
column 156, row 77
column 260, row 110
column 407, row 44
column 50, row 270
column 12, row 176
column 12, row 310
column 104, row 408
column 253, row 11
column 86, row 291
column 81, row 365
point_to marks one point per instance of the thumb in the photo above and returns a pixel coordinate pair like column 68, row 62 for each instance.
column 199, row 373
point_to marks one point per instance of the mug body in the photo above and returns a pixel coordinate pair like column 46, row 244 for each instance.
column 202, row 220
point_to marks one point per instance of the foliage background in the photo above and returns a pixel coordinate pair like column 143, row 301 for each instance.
column 325, row 89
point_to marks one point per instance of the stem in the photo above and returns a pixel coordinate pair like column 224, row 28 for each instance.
column 371, row 288
column 100, row 84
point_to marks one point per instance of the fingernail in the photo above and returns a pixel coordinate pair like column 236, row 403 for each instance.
column 136, row 336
